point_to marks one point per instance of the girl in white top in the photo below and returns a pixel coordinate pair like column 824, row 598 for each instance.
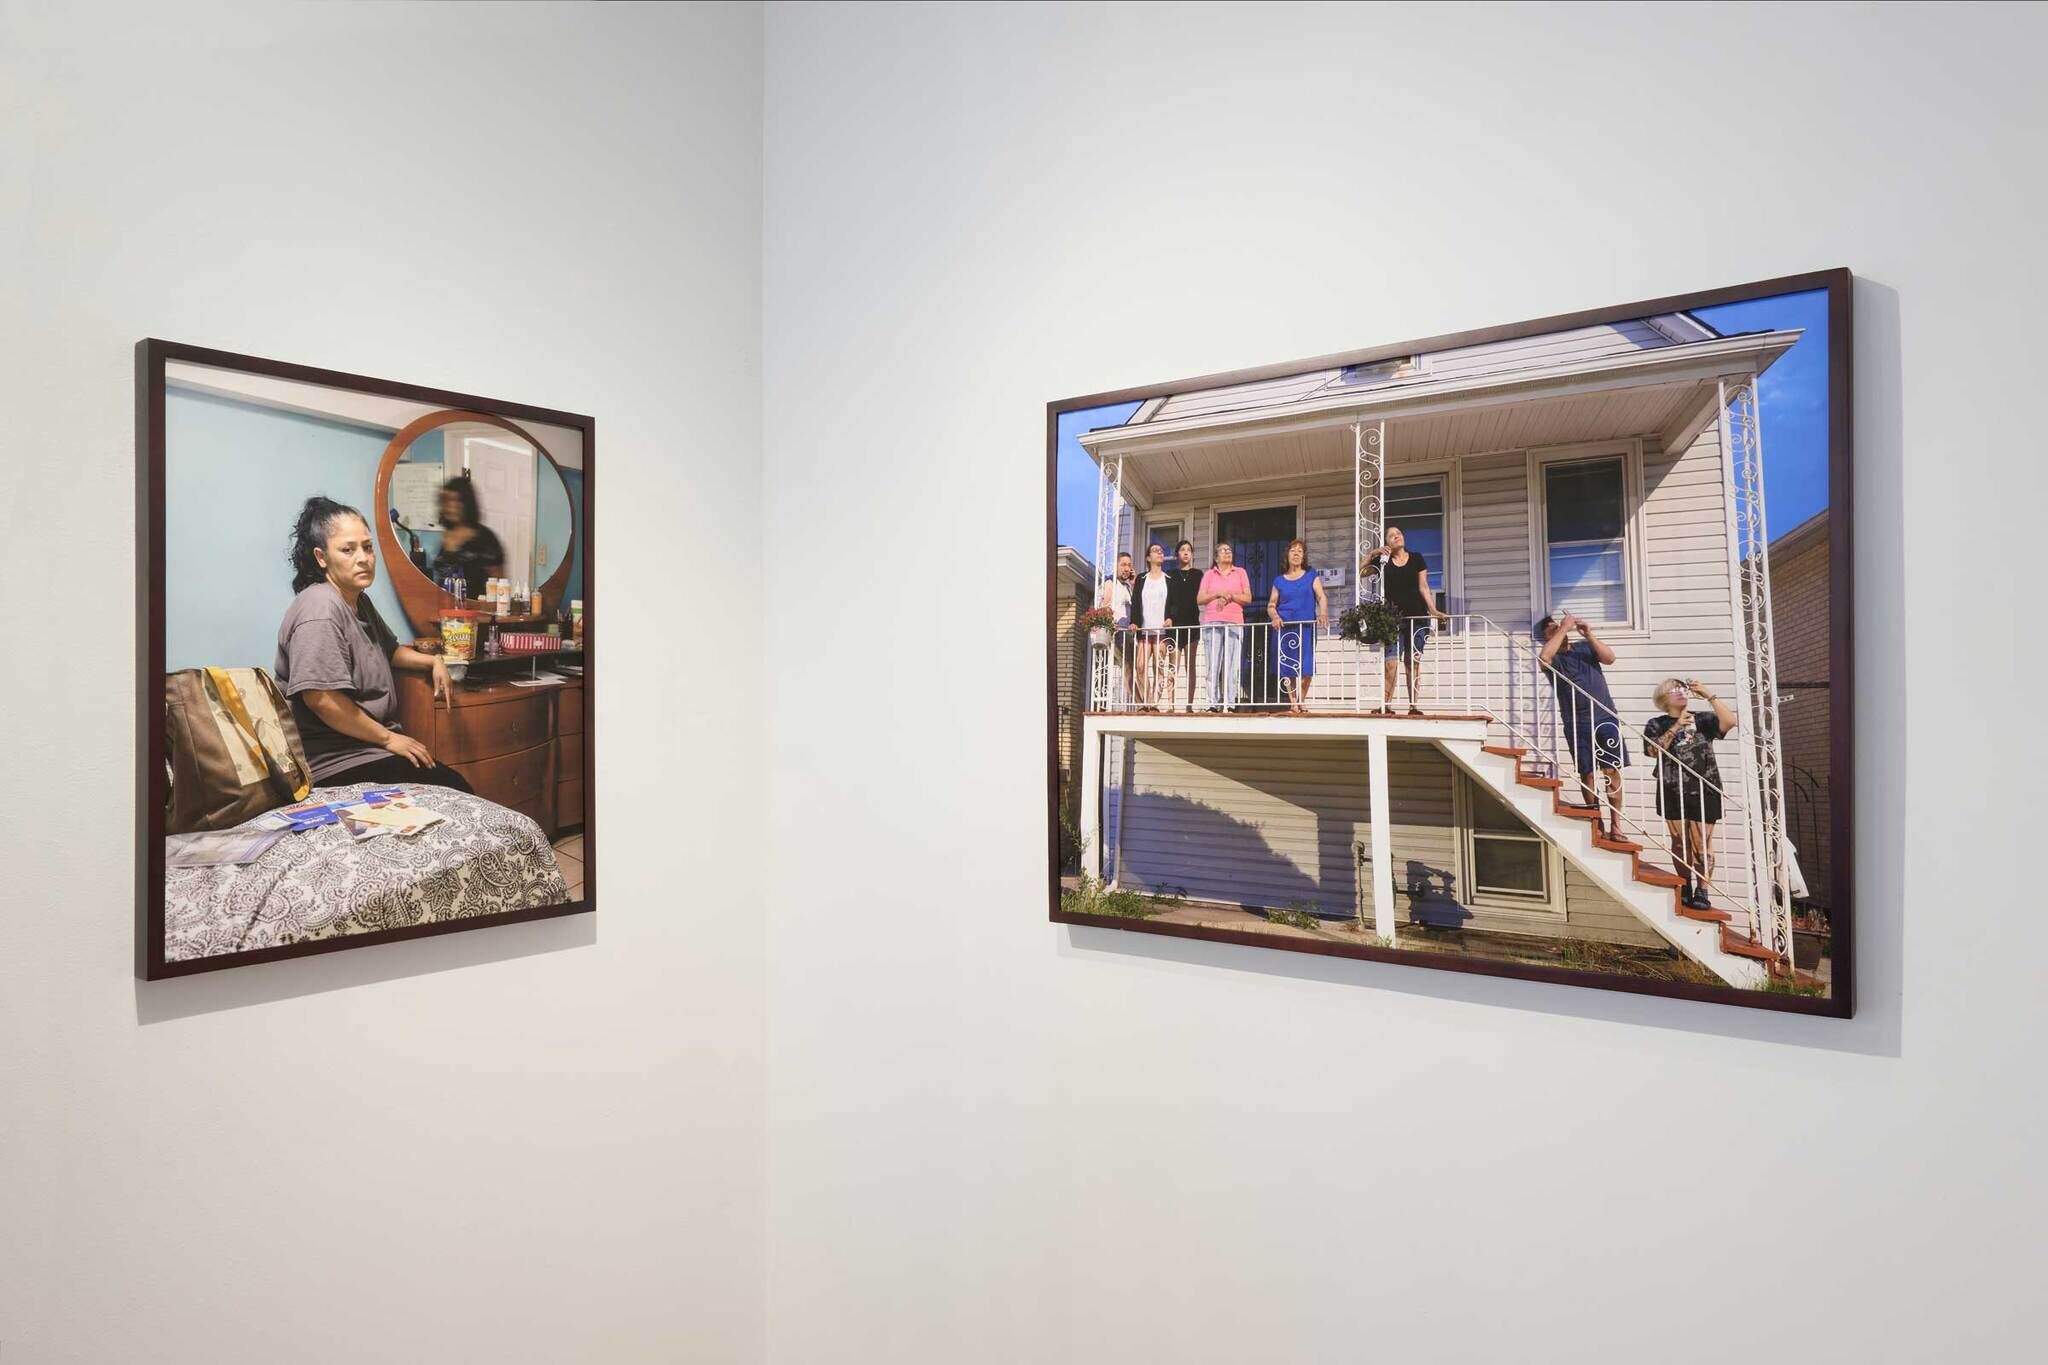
column 1148, row 614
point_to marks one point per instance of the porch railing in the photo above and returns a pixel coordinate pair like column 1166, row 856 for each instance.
column 1467, row 666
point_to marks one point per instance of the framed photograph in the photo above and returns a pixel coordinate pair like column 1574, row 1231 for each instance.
column 365, row 637
column 1522, row 651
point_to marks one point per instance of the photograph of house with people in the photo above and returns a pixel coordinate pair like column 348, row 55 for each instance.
column 373, row 639
column 1515, row 650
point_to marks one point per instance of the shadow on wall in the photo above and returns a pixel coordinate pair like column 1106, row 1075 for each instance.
column 1432, row 894
column 1173, row 844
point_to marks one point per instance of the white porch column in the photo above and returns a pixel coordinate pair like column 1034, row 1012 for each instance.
column 1091, row 800
column 1109, row 506
column 1368, row 496
column 1739, row 604
column 1382, row 837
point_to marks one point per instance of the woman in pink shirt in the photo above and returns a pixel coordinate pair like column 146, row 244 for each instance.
column 1225, row 592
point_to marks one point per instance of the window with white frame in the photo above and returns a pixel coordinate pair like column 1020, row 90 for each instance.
column 1586, row 557
column 1507, row 862
column 1417, row 507
column 1166, row 535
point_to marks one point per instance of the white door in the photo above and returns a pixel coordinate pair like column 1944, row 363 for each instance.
column 501, row 467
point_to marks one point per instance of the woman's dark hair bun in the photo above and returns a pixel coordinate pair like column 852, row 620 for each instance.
column 310, row 533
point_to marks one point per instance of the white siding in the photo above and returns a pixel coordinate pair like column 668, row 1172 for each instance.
column 1550, row 349
column 1681, row 526
column 1258, row 394
column 1573, row 346
column 1279, row 823
column 1258, row 822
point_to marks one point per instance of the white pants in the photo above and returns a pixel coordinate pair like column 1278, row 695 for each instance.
column 1223, row 647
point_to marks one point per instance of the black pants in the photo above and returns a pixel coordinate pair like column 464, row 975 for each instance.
column 389, row 772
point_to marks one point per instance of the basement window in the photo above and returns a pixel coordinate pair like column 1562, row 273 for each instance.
column 1508, row 865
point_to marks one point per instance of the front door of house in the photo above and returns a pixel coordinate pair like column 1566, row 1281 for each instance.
column 1258, row 537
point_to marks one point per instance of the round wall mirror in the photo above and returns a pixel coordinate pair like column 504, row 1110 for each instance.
column 466, row 497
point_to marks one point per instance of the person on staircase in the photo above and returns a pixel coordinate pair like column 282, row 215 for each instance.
column 1689, row 779
column 1575, row 658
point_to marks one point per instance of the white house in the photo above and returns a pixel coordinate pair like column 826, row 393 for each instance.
column 1611, row 470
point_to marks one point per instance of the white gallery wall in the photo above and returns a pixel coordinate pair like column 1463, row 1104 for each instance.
column 820, row 1083
column 995, row 1139
column 535, row 1143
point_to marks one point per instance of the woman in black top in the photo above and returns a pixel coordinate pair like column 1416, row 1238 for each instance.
column 469, row 548
column 1184, row 582
column 1404, row 584
column 1688, row 779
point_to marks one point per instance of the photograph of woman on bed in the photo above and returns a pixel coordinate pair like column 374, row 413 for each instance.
column 359, row 741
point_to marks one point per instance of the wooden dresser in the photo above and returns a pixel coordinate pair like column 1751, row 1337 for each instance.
column 521, row 747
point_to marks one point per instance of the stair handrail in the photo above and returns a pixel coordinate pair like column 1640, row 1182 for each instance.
column 1546, row 706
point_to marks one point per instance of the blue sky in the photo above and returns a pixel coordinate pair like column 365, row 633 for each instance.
column 1077, row 483
column 1794, row 395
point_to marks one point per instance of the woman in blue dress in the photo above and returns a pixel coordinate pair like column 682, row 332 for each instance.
column 1298, row 610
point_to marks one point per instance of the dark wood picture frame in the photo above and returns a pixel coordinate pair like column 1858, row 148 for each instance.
column 1838, row 285
column 151, row 782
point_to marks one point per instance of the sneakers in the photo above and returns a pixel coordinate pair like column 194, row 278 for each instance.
column 1695, row 897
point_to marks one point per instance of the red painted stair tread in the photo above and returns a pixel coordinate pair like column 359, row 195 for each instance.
column 1732, row 942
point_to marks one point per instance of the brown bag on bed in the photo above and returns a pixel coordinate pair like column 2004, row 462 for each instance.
column 232, row 748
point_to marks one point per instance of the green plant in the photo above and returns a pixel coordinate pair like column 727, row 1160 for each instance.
column 1369, row 623
column 1091, row 897
column 1295, row 916
column 1070, row 834
column 1785, row 985
column 1097, row 618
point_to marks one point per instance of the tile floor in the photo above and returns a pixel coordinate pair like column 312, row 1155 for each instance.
column 569, row 856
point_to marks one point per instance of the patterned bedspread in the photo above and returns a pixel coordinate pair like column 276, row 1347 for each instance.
column 481, row 860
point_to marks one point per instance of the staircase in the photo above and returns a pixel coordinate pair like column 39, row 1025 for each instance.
column 1618, row 867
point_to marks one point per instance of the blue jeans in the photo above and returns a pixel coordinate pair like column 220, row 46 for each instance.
column 1223, row 647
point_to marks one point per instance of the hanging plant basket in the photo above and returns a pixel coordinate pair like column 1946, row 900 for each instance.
column 1369, row 623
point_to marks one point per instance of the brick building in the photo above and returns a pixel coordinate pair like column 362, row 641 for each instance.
column 1075, row 580
column 1801, row 599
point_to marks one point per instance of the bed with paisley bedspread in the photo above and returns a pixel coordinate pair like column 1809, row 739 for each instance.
column 482, row 859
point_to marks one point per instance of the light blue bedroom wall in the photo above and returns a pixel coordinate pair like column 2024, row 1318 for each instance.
column 573, row 478
column 551, row 522
column 235, row 477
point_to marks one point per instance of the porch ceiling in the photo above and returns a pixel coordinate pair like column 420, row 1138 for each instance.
column 1664, row 410
column 1668, row 393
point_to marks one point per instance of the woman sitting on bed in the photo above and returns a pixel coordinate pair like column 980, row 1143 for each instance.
column 335, row 656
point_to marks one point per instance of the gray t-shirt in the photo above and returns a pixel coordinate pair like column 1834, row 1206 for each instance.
column 323, row 645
